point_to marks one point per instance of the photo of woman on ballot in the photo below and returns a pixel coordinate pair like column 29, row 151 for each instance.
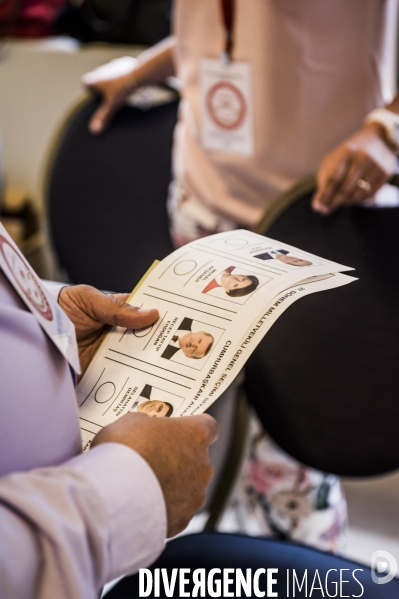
column 235, row 285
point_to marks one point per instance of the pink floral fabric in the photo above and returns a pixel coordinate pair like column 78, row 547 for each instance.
column 279, row 497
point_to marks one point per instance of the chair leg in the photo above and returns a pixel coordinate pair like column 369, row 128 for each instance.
column 233, row 463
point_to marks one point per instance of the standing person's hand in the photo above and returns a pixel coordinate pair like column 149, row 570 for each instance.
column 91, row 311
column 355, row 170
column 113, row 81
column 116, row 80
column 177, row 450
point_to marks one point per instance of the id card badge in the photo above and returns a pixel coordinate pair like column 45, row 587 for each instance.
column 38, row 300
column 227, row 106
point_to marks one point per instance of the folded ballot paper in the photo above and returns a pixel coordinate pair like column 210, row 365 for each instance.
column 217, row 297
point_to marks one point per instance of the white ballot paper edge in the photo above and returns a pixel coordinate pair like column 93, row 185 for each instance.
column 217, row 298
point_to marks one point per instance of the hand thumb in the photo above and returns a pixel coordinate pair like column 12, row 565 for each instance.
column 118, row 313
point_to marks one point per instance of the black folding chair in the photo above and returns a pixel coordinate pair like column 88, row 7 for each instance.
column 106, row 195
column 325, row 379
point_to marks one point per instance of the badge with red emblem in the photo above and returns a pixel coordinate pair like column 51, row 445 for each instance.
column 39, row 301
column 26, row 280
column 226, row 106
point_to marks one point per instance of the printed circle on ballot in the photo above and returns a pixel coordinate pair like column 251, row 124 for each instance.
column 236, row 241
column 184, row 267
column 105, row 392
column 143, row 332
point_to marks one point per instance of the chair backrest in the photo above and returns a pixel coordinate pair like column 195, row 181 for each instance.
column 106, row 195
column 325, row 379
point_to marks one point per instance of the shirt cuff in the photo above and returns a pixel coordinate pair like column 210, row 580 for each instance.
column 54, row 288
column 134, row 505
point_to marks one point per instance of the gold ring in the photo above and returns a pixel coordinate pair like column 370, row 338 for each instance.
column 364, row 185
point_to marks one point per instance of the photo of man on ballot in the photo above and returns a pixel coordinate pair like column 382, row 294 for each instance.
column 283, row 256
column 190, row 340
column 151, row 402
column 234, row 284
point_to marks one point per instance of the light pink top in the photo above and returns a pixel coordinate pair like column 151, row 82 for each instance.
column 318, row 69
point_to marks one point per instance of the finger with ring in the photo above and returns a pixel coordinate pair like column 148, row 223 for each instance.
column 364, row 185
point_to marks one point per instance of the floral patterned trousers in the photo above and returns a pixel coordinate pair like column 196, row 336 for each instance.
column 276, row 496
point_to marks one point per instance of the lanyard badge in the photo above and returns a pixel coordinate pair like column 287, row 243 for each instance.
column 226, row 96
column 228, row 13
column 38, row 300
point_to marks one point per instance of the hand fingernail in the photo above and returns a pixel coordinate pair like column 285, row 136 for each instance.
column 95, row 127
column 320, row 208
column 146, row 311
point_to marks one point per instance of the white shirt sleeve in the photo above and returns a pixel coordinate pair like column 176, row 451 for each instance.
column 67, row 530
column 54, row 288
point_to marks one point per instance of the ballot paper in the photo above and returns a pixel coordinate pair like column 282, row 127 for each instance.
column 217, row 297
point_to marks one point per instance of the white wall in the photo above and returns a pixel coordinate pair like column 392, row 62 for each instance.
column 39, row 81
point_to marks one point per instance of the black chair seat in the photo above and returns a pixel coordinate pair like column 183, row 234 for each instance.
column 107, row 195
column 325, row 379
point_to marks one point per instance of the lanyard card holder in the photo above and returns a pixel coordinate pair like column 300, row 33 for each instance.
column 38, row 300
column 227, row 96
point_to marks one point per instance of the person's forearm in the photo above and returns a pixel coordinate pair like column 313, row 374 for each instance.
column 154, row 65
column 372, row 122
column 67, row 530
column 394, row 105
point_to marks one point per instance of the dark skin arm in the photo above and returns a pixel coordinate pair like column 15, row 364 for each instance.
column 365, row 155
column 153, row 66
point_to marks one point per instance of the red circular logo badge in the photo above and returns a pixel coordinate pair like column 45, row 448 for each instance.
column 226, row 105
column 25, row 279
